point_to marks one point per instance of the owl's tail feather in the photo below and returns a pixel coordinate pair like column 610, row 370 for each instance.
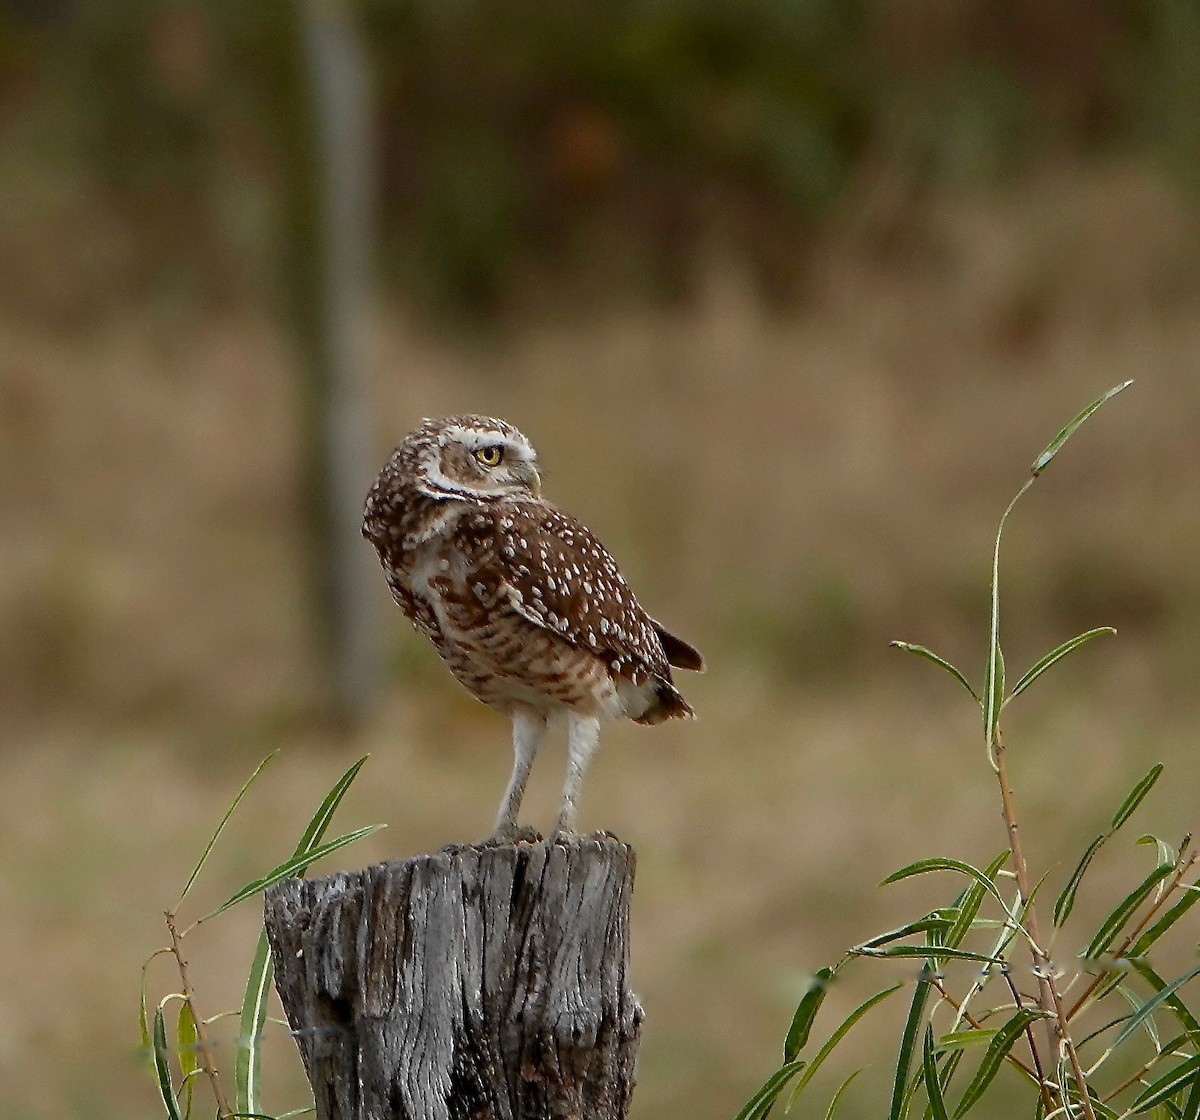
column 669, row 704
column 679, row 653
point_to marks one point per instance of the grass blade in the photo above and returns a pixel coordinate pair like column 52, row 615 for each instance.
column 1115, row 922
column 1066, row 900
column 837, row 1037
column 315, row 832
column 1068, row 430
column 1135, row 796
column 908, row 1043
column 1161, row 996
column 759, row 1104
column 933, row 1086
column 290, row 867
column 221, row 827
column 1006, row 1036
column 162, row 1068
column 806, row 1012
column 1055, row 656
column 1190, row 897
column 929, row 655
column 838, row 1095
column 1185, row 1074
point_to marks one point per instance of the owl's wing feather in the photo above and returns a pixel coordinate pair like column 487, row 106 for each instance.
column 558, row 576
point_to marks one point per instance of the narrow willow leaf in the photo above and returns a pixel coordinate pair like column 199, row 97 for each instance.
column 1066, row 900
column 1006, row 1036
column 1191, row 1107
column 933, row 1086
column 1136, row 796
column 945, row 863
column 248, row 1058
column 162, row 1067
column 1181, row 1077
column 1171, row 999
column 929, row 922
column 908, row 1042
column 1190, row 897
column 949, row 1066
column 185, row 1051
column 806, row 1012
column 1100, row 1030
column 1055, row 656
column 993, row 687
column 1068, row 430
column 971, row 900
column 837, row 1097
column 315, row 832
column 1157, row 1000
column 290, row 867
column 759, row 1104
column 961, row 1040
column 837, row 1037
column 929, row 655
column 917, row 951
column 221, row 828
column 1115, row 922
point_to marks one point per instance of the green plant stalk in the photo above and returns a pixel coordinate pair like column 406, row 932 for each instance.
column 204, row 1047
column 1049, row 999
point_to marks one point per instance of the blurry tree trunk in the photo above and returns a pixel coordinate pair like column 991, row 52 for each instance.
column 330, row 284
column 485, row 983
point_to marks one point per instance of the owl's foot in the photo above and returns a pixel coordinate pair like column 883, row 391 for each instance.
column 512, row 834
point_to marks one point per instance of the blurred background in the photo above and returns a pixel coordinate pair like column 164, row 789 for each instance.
column 787, row 293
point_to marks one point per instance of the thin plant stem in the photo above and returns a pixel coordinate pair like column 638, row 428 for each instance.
column 203, row 1046
column 975, row 1024
column 1049, row 999
column 1047, row 1100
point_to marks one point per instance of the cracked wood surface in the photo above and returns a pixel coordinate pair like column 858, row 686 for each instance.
column 488, row 983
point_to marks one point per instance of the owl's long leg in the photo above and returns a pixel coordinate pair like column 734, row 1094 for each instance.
column 529, row 728
column 583, row 736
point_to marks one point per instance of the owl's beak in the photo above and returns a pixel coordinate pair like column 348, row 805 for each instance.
column 533, row 480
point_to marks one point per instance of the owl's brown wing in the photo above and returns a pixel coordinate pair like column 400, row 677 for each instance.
column 557, row 575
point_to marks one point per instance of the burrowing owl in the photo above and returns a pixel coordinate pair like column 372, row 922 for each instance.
column 523, row 603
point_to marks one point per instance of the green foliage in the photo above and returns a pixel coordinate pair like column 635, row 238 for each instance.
column 193, row 1050
column 1080, row 1068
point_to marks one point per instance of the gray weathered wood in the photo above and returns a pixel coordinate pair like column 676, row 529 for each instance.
column 488, row 983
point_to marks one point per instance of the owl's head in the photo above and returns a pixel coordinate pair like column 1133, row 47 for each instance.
column 472, row 457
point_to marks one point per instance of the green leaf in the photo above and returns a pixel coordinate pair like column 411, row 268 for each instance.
column 806, row 1012
column 917, row 951
column 759, row 1104
column 1136, row 795
column 1006, row 1036
column 248, row 1057
column 837, row 1037
column 945, row 863
column 1068, row 430
column 221, row 827
column 290, row 867
column 929, row 655
column 1191, row 1108
column 908, row 1043
column 1115, row 922
column 1183, row 1075
column 1190, row 897
column 838, row 1095
column 1160, row 997
column 933, row 1086
column 972, row 899
column 1057, row 655
column 1170, row 997
column 929, row 922
column 961, row 1040
column 993, row 685
column 162, row 1066
column 189, row 1061
column 1066, row 900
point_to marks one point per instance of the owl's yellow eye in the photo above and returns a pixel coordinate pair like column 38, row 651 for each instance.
column 491, row 455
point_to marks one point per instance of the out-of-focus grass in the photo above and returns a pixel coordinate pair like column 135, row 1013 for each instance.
column 790, row 492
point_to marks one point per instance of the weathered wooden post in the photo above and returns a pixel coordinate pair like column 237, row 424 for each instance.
column 488, row 983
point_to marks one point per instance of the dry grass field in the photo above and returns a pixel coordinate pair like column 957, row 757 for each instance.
column 790, row 490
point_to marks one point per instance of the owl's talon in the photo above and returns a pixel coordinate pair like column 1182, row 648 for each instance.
column 512, row 834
